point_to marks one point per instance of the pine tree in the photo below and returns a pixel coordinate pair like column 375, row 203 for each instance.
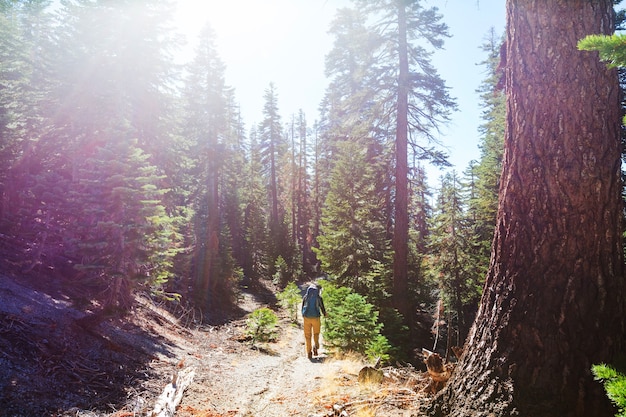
column 122, row 233
column 352, row 241
column 27, row 51
column 273, row 151
column 233, row 183
column 256, row 255
column 416, row 103
column 485, row 174
column 352, row 324
column 451, row 260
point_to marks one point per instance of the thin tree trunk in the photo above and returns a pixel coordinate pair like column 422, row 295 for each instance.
column 553, row 302
column 273, row 179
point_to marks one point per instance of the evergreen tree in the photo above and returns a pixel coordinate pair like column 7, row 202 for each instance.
column 273, row 150
column 484, row 181
column 204, row 128
column 303, row 212
column 351, row 106
column 256, row 255
column 352, row 323
column 352, row 244
column 451, row 251
column 121, row 231
column 416, row 103
column 233, row 183
column 27, row 51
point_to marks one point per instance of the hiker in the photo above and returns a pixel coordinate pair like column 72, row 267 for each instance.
column 312, row 309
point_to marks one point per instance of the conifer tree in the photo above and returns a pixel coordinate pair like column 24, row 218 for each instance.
column 256, row 255
column 122, row 233
column 27, row 51
column 484, row 183
column 273, row 150
column 232, row 182
column 451, row 248
column 416, row 103
column 353, row 245
column 206, row 128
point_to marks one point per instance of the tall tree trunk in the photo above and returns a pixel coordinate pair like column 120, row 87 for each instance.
column 210, row 256
column 295, row 172
column 273, row 182
column 303, row 205
column 401, row 227
column 553, row 302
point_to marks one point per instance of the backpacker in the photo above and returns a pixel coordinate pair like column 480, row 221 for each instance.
column 310, row 303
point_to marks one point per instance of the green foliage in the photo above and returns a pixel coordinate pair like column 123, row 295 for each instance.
column 282, row 274
column 379, row 347
column 122, row 229
column 352, row 323
column 612, row 48
column 261, row 325
column 614, row 384
column 453, row 258
column 397, row 334
column 290, row 299
column 353, row 244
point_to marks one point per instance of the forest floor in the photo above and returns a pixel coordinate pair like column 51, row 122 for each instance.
column 57, row 359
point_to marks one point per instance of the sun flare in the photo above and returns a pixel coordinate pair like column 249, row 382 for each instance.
column 246, row 25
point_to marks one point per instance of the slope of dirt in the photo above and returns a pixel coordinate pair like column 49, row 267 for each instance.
column 60, row 360
column 56, row 359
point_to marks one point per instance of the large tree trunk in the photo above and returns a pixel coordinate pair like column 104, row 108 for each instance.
column 553, row 302
column 401, row 226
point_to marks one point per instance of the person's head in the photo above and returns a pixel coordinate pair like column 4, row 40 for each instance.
column 312, row 289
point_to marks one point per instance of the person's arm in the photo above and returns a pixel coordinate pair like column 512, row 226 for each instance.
column 322, row 309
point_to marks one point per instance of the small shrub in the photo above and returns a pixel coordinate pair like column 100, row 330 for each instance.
column 378, row 348
column 261, row 325
column 282, row 275
column 352, row 323
column 614, row 385
column 290, row 299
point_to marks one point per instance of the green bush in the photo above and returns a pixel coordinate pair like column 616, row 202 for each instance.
column 352, row 324
column 282, row 275
column 614, row 385
column 290, row 299
column 261, row 325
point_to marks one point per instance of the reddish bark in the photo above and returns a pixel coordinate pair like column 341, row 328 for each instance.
column 401, row 217
column 553, row 302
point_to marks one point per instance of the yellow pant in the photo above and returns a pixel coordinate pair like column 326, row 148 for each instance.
column 312, row 327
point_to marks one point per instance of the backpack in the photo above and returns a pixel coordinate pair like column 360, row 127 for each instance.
column 310, row 303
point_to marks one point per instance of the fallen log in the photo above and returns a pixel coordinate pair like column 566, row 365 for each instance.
column 172, row 394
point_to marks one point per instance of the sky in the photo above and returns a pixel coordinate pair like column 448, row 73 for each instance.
column 285, row 42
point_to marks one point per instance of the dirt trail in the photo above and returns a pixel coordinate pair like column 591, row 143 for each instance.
column 58, row 360
column 276, row 380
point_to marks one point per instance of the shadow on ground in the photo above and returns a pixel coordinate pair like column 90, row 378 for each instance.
column 54, row 357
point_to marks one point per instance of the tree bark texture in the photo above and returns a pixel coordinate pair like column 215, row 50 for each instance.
column 553, row 302
column 401, row 217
